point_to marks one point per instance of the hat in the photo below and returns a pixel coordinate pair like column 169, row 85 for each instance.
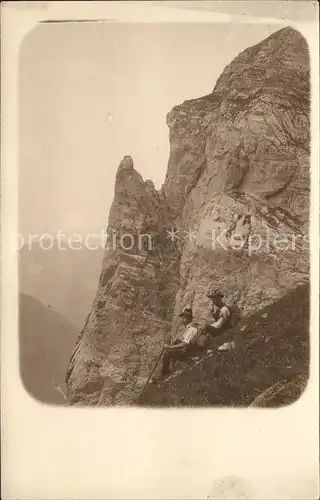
column 215, row 294
column 186, row 311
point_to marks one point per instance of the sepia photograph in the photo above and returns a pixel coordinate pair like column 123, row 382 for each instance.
column 164, row 214
column 159, row 250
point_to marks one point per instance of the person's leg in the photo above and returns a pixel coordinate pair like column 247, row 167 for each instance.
column 170, row 357
column 166, row 362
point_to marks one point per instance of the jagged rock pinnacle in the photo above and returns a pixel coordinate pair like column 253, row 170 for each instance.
column 126, row 163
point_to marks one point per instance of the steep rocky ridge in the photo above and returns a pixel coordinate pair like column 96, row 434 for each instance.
column 132, row 310
column 237, row 179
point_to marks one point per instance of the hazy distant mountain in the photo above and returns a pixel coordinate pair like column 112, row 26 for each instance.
column 46, row 342
column 67, row 280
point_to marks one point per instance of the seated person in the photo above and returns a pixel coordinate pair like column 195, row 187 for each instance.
column 180, row 349
column 220, row 313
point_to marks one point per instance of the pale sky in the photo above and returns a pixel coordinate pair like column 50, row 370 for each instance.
column 92, row 93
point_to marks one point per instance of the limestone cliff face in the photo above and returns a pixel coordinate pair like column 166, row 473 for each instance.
column 237, row 195
column 134, row 303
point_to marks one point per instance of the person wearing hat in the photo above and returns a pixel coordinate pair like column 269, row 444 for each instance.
column 181, row 347
column 220, row 313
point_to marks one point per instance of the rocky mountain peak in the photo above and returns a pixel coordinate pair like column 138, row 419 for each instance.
column 126, row 163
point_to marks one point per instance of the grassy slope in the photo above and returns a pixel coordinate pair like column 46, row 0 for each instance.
column 273, row 348
column 46, row 340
